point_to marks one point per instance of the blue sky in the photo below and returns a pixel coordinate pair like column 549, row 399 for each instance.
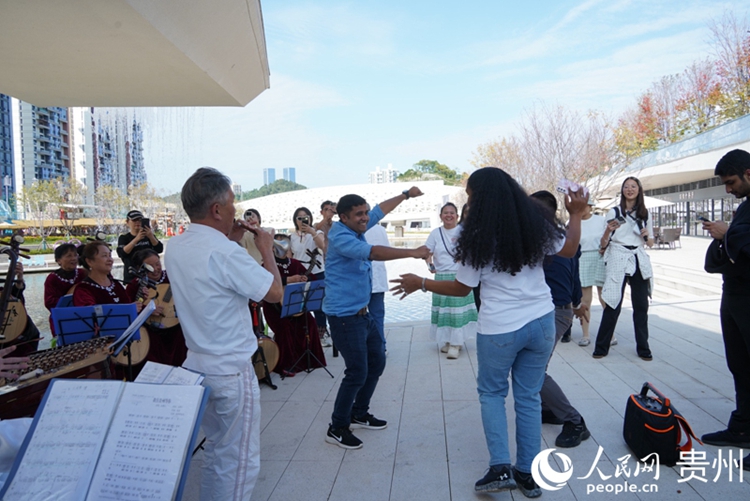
column 359, row 84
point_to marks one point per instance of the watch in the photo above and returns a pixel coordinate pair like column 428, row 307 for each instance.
column 406, row 194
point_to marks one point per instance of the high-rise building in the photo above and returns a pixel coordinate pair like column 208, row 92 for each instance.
column 44, row 143
column 117, row 149
column 237, row 190
column 7, row 176
column 290, row 174
column 269, row 176
column 388, row 175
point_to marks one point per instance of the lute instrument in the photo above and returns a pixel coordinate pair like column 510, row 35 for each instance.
column 139, row 347
column 15, row 318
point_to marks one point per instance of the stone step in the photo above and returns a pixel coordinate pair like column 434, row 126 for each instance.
column 696, row 276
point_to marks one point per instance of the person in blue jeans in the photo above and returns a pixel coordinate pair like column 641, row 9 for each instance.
column 503, row 244
column 353, row 329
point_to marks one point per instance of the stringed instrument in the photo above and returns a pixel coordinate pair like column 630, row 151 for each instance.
column 15, row 318
column 162, row 296
column 138, row 347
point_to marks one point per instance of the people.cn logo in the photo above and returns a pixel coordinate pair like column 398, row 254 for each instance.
column 548, row 478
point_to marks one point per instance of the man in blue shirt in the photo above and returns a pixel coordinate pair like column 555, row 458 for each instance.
column 353, row 330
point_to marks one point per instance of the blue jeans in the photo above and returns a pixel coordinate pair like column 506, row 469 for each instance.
column 523, row 353
column 377, row 311
column 359, row 342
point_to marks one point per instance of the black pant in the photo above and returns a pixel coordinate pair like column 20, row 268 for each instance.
column 639, row 299
column 735, row 327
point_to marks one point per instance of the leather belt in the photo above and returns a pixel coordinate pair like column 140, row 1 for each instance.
column 568, row 306
column 362, row 312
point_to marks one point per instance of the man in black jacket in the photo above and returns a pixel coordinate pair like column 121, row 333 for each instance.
column 729, row 254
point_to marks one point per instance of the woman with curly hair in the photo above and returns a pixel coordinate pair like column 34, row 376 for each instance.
column 502, row 245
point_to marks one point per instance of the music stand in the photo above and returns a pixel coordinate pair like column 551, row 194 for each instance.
column 81, row 323
column 304, row 297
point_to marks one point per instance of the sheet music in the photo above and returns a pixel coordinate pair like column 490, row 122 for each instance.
column 137, row 323
column 146, row 448
column 156, row 373
column 183, row 377
column 60, row 459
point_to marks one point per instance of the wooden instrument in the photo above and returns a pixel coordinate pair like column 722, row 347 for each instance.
column 265, row 359
column 15, row 319
column 162, row 295
column 138, row 348
column 84, row 360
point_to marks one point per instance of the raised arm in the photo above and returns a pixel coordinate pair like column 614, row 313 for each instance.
column 390, row 204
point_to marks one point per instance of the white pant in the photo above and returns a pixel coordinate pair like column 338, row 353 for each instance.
column 232, row 427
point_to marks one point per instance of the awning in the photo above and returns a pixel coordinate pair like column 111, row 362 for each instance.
column 133, row 52
column 651, row 202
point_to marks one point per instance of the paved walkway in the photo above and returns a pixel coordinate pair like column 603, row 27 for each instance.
column 434, row 449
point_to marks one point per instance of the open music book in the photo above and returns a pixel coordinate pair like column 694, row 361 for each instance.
column 156, row 373
column 106, row 440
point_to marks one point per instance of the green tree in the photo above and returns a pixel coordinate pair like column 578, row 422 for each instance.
column 278, row 186
column 40, row 202
column 431, row 169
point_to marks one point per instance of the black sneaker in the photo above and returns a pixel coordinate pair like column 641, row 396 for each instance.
column 343, row 437
column 368, row 422
column 498, row 478
column 727, row 438
column 565, row 338
column 526, row 484
column 572, row 434
column 548, row 417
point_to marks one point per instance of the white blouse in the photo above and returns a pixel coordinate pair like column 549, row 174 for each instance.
column 628, row 233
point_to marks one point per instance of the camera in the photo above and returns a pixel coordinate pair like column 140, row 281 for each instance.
column 305, row 220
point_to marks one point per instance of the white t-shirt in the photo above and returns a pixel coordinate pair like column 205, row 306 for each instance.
column 212, row 279
column 442, row 253
column 509, row 301
column 301, row 244
column 592, row 230
column 378, row 236
column 628, row 233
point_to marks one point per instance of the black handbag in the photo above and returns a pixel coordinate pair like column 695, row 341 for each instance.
column 653, row 425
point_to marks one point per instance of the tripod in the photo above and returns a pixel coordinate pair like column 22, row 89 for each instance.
column 303, row 298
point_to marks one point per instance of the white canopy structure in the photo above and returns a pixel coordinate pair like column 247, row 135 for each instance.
column 130, row 53
column 651, row 202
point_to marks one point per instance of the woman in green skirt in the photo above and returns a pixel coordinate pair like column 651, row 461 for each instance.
column 454, row 319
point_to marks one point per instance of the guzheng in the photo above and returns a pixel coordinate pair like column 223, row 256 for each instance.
column 84, row 360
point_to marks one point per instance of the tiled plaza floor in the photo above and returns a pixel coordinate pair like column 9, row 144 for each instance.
column 434, row 449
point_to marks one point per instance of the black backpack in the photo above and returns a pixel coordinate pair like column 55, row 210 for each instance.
column 654, row 425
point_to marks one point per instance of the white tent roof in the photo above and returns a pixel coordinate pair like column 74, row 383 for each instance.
column 133, row 52
column 651, row 202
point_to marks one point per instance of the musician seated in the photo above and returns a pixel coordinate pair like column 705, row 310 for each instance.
column 167, row 343
column 289, row 332
column 99, row 287
column 28, row 340
column 60, row 281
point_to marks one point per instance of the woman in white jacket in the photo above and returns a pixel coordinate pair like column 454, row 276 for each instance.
column 629, row 227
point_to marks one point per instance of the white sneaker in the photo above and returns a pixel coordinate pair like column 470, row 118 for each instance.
column 445, row 347
column 325, row 342
column 614, row 342
column 453, row 352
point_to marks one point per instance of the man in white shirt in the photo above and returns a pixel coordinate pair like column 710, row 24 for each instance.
column 378, row 236
column 212, row 279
